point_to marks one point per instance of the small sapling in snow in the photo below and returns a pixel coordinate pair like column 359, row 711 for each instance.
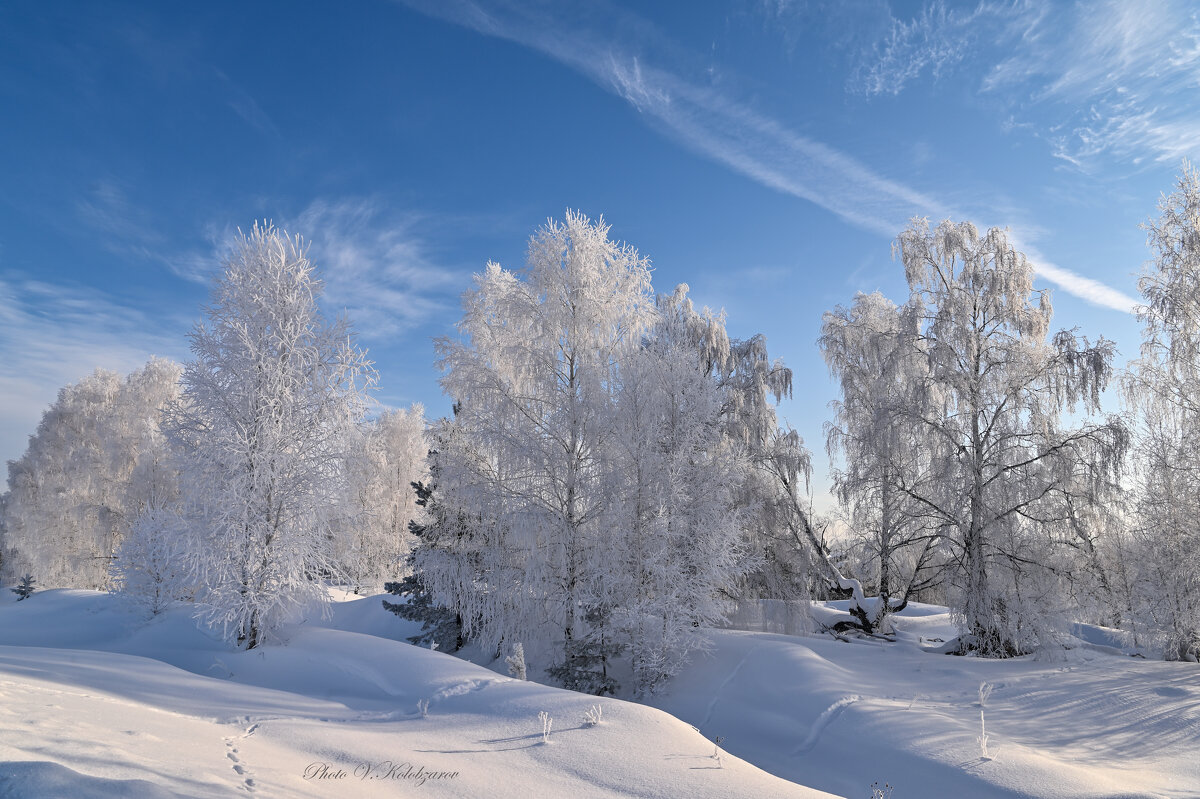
column 25, row 588
column 547, row 723
column 985, row 691
column 593, row 716
column 516, row 661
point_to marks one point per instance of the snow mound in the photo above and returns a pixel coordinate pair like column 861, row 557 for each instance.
column 840, row 715
column 97, row 701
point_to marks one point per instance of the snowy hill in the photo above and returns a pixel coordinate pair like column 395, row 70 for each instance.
column 1089, row 722
column 97, row 704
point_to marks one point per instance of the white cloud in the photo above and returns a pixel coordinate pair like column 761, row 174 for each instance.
column 935, row 40
column 1083, row 287
column 701, row 117
column 375, row 266
column 53, row 335
column 130, row 231
column 749, row 142
column 1124, row 79
column 1110, row 78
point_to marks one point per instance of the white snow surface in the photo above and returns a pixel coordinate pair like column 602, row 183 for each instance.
column 96, row 701
column 838, row 715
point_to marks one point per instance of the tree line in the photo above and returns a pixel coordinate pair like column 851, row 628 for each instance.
column 614, row 474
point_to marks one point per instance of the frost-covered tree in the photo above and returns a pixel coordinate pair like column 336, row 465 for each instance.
column 273, row 400
column 391, row 460
column 516, row 662
column 601, row 463
column 874, row 352
column 1006, row 470
column 677, row 472
column 151, row 564
column 773, row 464
column 536, row 378
column 97, row 459
column 1164, row 387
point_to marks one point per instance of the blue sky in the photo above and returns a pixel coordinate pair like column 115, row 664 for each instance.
column 765, row 153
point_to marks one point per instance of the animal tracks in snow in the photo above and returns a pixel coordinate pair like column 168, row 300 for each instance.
column 239, row 768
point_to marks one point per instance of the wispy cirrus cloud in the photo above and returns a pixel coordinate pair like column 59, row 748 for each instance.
column 1124, row 77
column 129, row 230
column 731, row 132
column 53, row 335
column 1081, row 286
column 1101, row 79
column 375, row 263
column 935, row 40
column 698, row 115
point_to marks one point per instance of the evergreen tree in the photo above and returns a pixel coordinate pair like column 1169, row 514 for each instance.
column 440, row 625
column 25, row 588
column 588, row 658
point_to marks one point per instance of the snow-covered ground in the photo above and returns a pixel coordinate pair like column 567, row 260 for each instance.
column 96, row 702
column 1090, row 722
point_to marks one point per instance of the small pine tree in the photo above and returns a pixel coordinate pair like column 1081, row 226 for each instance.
column 589, row 658
column 439, row 625
column 24, row 588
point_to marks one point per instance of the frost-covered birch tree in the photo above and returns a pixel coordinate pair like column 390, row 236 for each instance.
column 1005, row 467
column 677, row 472
column 391, row 457
column 151, row 566
column 1164, row 387
column 768, row 495
column 96, row 461
column 873, row 351
column 272, row 401
column 535, row 378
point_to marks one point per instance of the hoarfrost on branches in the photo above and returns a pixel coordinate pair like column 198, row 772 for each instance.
column 389, row 459
column 1007, row 477
column 273, row 400
column 595, row 475
column 873, row 350
column 96, row 461
column 1163, row 387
